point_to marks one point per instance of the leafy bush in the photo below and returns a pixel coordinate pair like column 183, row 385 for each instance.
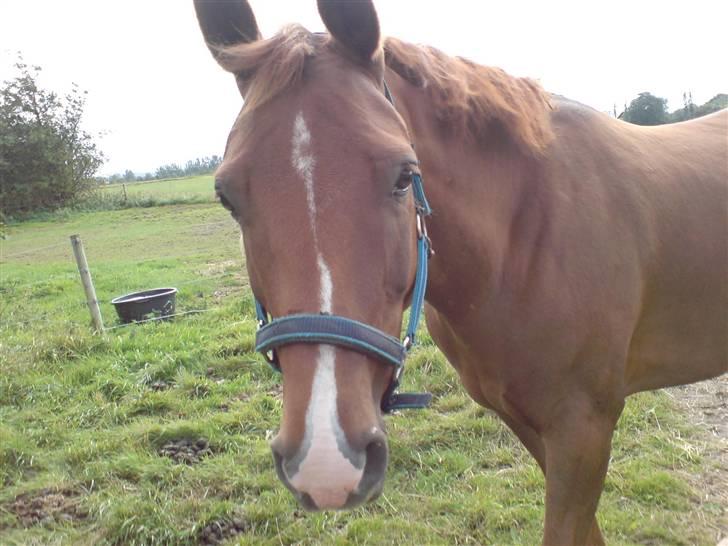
column 46, row 159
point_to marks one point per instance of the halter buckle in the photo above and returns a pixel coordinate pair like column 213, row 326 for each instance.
column 421, row 224
column 422, row 231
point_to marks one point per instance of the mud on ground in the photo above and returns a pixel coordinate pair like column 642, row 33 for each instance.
column 47, row 506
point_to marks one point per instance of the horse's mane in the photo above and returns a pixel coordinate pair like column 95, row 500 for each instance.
column 469, row 97
column 466, row 97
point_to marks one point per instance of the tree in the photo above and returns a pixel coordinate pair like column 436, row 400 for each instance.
column 647, row 109
column 686, row 112
column 195, row 167
column 718, row 102
column 46, row 159
column 691, row 111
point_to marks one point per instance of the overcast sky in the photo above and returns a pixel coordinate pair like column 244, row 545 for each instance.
column 158, row 96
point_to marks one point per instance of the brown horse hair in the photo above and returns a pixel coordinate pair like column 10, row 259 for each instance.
column 266, row 68
column 467, row 97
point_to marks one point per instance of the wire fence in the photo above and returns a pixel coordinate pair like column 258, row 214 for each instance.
column 39, row 282
column 26, row 300
column 31, row 251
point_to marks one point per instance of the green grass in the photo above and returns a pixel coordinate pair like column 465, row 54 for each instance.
column 175, row 191
column 196, row 186
column 80, row 412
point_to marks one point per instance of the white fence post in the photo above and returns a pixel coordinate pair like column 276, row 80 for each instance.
column 88, row 285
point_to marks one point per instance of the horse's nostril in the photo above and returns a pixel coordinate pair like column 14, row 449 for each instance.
column 377, row 455
column 276, row 445
column 375, row 446
column 279, row 462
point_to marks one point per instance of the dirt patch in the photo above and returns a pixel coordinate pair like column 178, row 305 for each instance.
column 186, row 451
column 226, row 291
column 221, row 530
column 705, row 405
column 47, row 506
column 276, row 391
column 215, row 269
column 160, row 385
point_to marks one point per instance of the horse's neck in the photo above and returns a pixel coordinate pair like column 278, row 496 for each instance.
column 478, row 192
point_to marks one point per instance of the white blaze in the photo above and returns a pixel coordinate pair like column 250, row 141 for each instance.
column 304, row 162
column 327, row 287
column 324, row 473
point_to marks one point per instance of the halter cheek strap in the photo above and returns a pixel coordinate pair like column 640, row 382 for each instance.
column 354, row 335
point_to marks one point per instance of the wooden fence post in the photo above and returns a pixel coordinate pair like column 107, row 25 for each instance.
column 88, row 285
column 123, row 187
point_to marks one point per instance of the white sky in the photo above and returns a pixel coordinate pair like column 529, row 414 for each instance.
column 160, row 98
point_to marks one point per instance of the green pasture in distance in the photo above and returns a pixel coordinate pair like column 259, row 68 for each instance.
column 176, row 187
column 84, row 418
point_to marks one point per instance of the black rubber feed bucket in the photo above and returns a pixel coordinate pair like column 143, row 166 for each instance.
column 148, row 304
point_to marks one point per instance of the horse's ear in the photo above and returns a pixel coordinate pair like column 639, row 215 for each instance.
column 354, row 24
column 226, row 22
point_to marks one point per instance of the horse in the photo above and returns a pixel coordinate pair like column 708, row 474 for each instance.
column 578, row 259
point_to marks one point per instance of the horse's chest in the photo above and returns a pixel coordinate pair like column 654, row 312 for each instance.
column 481, row 374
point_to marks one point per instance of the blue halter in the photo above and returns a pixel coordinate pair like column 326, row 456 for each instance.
column 355, row 335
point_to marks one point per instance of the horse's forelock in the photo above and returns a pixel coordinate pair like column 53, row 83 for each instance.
column 269, row 67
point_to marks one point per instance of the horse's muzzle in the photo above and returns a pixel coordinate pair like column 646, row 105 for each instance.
column 326, row 491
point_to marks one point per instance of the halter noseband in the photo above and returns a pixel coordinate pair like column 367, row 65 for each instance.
column 355, row 335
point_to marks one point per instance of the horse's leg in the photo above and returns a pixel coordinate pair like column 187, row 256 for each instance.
column 533, row 442
column 445, row 338
column 578, row 444
column 529, row 437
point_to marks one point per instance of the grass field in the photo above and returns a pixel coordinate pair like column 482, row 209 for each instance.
column 197, row 186
column 86, row 421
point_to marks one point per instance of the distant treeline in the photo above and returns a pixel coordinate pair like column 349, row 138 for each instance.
column 195, row 167
column 647, row 109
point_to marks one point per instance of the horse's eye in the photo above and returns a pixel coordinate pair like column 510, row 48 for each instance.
column 225, row 203
column 404, row 182
column 219, row 184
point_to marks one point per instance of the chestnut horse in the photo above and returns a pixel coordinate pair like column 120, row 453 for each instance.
column 579, row 259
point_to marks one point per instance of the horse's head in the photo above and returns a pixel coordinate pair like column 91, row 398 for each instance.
column 318, row 172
